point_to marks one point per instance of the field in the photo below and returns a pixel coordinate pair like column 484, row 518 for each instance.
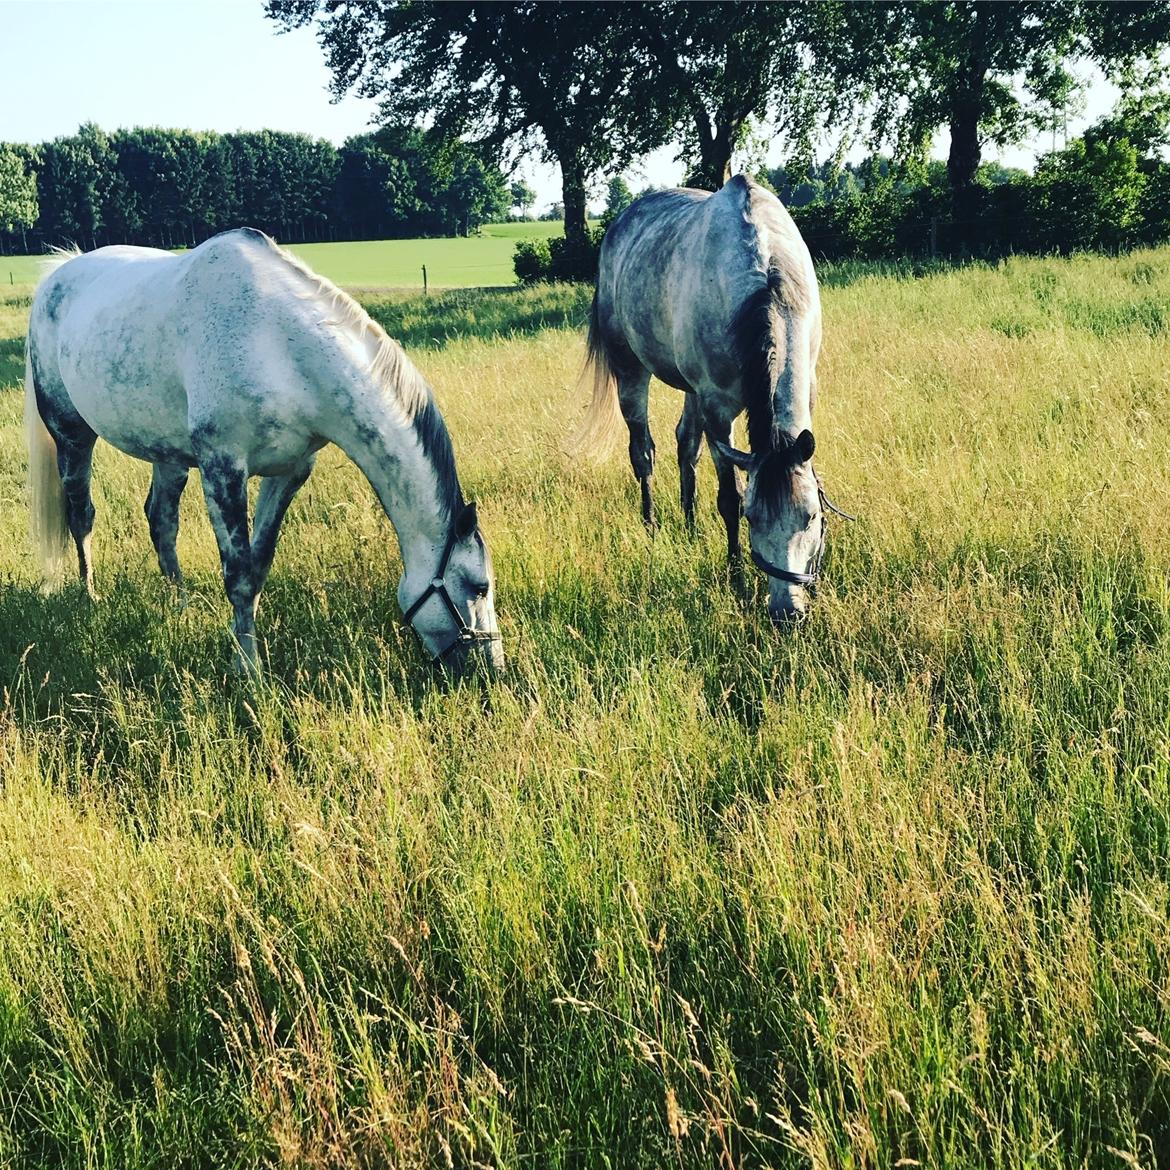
column 480, row 260
column 889, row 890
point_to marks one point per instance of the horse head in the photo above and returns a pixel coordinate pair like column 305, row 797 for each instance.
column 785, row 509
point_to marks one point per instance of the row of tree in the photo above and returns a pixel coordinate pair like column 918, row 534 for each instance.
column 173, row 187
column 593, row 86
column 1107, row 189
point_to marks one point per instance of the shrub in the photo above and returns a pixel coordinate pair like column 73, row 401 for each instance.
column 532, row 261
column 558, row 259
column 576, row 260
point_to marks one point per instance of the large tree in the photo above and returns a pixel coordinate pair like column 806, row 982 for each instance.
column 18, row 191
column 569, row 79
column 990, row 72
column 722, row 65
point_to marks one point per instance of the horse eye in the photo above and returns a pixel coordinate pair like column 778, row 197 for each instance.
column 480, row 588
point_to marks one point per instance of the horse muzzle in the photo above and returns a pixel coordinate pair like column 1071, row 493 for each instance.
column 473, row 653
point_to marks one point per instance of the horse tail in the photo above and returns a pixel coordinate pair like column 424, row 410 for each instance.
column 599, row 428
column 47, row 516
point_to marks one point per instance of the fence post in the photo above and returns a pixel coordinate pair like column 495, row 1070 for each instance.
column 934, row 237
column 424, row 268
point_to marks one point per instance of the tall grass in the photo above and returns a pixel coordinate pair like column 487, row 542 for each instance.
column 891, row 890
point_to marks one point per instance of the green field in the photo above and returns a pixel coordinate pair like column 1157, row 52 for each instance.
column 483, row 260
column 889, row 890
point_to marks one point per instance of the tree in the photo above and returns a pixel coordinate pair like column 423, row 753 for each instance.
column 18, row 191
column 955, row 63
column 522, row 195
column 375, row 192
column 566, row 78
column 721, row 64
column 618, row 198
column 73, row 181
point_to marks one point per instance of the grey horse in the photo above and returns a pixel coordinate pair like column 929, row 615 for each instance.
column 715, row 295
column 236, row 359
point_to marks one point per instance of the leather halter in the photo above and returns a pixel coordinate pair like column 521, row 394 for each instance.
column 808, row 580
column 438, row 586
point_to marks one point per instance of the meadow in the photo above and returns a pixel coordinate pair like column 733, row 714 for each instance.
column 891, row 889
column 474, row 261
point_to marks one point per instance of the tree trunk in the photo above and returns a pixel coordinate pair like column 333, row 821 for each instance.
column 715, row 140
column 573, row 194
column 966, row 151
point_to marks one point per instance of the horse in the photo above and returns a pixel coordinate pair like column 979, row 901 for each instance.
column 237, row 359
column 715, row 295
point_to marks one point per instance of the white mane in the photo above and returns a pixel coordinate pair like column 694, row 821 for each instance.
column 389, row 367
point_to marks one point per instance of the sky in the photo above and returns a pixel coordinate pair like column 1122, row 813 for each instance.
column 222, row 65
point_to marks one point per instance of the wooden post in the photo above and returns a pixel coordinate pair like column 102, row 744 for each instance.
column 934, row 237
column 424, row 267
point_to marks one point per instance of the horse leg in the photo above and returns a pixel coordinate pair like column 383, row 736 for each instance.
column 632, row 395
column 689, row 434
column 162, row 513
column 730, row 498
column 75, row 464
column 276, row 493
column 225, row 488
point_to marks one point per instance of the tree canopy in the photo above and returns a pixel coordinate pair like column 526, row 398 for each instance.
column 18, row 190
column 151, row 185
column 568, row 79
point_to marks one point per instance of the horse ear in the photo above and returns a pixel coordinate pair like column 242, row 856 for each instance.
column 742, row 459
column 466, row 521
column 803, row 447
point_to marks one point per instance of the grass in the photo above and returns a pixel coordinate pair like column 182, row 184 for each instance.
column 483, row 260
column 893, row 890
column 18, row 274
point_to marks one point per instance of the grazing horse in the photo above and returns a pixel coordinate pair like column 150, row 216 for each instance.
column 715, row 295
column 236, row 359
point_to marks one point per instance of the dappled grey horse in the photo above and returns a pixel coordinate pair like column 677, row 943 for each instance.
column 716, row 296
column 238, row 360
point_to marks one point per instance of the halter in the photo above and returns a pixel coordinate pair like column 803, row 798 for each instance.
column 438, row 586
column 808, row 580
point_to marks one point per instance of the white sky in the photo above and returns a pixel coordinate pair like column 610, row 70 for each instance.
column 222, row 65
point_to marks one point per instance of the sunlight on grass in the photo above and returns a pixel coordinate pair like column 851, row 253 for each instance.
column 890, row 890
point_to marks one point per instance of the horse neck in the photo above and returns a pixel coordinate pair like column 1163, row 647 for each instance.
column 787, row 408
column 792, row 393
column 397, row 454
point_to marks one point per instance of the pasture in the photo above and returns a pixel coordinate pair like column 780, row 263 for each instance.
column 474, row 261
column 893, row 889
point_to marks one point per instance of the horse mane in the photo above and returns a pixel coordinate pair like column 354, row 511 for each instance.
column 391, row 369
column 54, row 258
column 752, row 332
column 753, row 341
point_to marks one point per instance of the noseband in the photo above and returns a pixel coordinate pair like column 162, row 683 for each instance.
column 808, row 580
column 438, row 586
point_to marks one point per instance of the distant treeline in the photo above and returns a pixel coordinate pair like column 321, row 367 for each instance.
column 170, row 188
column 1107, row 190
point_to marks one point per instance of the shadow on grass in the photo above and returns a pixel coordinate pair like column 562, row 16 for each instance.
column 11, row 361
column 432, row 322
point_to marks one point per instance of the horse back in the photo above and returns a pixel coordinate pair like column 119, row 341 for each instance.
column 676, row 269
column 149, row 347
